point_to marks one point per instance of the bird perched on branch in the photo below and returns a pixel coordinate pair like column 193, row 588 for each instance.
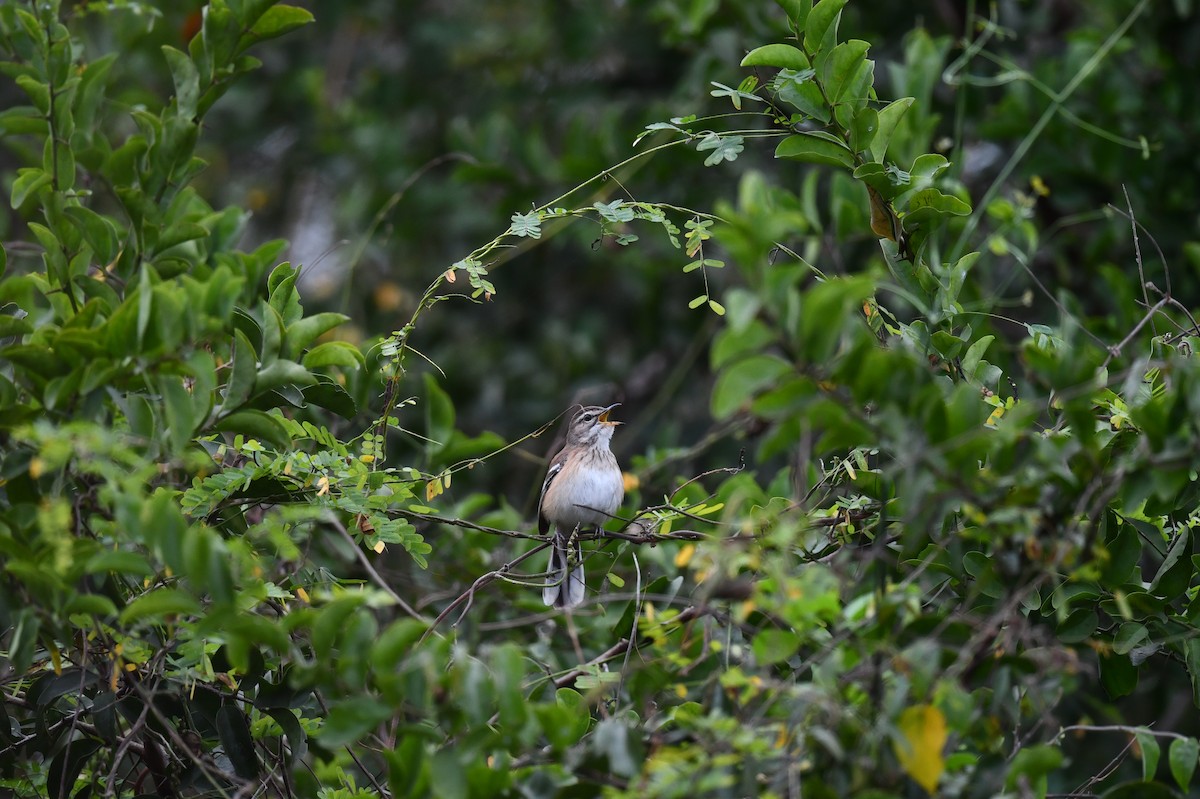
column 583, row 487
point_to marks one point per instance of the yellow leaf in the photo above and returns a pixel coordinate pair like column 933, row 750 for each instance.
column 379, row 547
column 883, row 220
column 323, row 486
column 684, row 555
column 433, row 488
column 56, row 659
column 923, row 728
column 302, row 595
column 631, row 481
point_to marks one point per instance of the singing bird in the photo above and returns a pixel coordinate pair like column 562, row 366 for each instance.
column 583, row 487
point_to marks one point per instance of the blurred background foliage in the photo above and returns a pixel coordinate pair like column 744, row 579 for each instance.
column 388, row 140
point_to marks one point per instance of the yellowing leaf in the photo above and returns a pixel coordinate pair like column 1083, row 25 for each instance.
column 923, row 728
column 883, row 220
column 433, row 488
column 631, row 481
column 379, row 547
column 684, row 555
column 302, row 595
column 322, row 486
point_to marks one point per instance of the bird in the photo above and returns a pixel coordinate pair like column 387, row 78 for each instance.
column 584, row 486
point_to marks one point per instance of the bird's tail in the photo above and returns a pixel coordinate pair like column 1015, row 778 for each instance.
column 566, row 586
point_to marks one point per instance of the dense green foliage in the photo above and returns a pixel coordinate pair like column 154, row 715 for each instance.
column 920, row 545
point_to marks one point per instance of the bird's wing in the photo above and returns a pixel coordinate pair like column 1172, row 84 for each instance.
column 556, row 465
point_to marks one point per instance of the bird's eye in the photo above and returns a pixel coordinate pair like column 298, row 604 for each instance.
column 587, row 417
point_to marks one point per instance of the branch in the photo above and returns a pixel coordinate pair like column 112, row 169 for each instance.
column 620, row 647
column 375, row 576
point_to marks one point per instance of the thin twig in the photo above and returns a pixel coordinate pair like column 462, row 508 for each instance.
column 375, row 576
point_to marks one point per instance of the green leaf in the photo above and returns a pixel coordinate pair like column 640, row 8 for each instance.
column 159, row 603
column 615, row 211
column 391, row 647
column 815, row 149
column 724, row 148
column 796, row 10
column 330, row 395
column 283, row 373
column 773, row 646
column 716, row 307
column 300, row 335
column 119, row 561
column 242, row 373
column 820, row 29
column 526, row 225
column 257, row 424
column 29, row 181
column 970, row 361
column 334, row 353
column 838, row 70
column 1181, row 757
column 296, row 737
column 66, row 766
column 1130, row 635
column 38, row 91
column 1033, row 763
column 449, row 774
column 930, row 204
column 99, row 233
column 351, row 719
column 186, row 78
column 1148, row 744
column 177, row 234
column 698, row 301
column 799, row 89
column 14, row 326
column 1118, row 675
column 889, row 118
column 784, row 56
column 177, row 403
column 277, row 21
column 1175, row 573
column 233, row 728
column 738, row 383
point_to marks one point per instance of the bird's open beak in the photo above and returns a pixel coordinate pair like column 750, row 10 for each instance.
column 604, row 414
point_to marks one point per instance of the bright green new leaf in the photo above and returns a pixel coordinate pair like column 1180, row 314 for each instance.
column 784, row 56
